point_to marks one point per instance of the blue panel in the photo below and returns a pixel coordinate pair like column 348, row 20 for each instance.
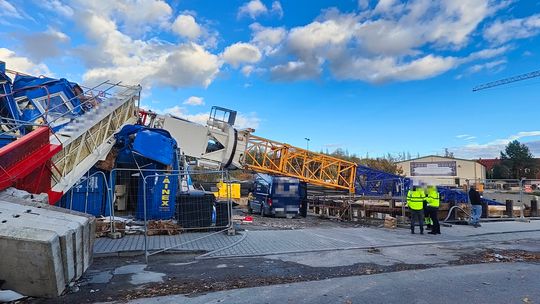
column 89, row 195
column 8, row 105
column 160, row 196
column 375, row 182
column 155, row 147
column 36, row 88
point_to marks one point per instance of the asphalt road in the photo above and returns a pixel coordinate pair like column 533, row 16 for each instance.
column 480, row 283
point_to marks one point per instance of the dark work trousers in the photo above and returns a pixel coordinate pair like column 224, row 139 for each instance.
column 426, row 215
column 432, row 213
column 417, row 216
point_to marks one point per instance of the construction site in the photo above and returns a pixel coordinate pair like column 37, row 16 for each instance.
column 103, row 199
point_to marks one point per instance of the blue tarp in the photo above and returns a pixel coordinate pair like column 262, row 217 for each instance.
column 155, row 144
column 46, row 90
column 8, row 106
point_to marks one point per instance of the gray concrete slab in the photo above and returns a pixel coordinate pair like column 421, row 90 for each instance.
column 71, row 244
column 87, row 220
column 69, row 254
column 84, row 231
column 272, row 242
column 186, row 241
column 305, row 240
column 31, row 261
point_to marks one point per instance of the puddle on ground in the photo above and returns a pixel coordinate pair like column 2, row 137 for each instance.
column 221, row 266
column 129, row 269
column 100, row 277
column 182, row 264
column 146, row 277
column 138, row 273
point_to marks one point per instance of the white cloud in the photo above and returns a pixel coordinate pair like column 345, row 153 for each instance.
column 243, row 120
column 384, row 69
column 252, row 9
column 44, row 45
column 22, row 64
column 134, row 17
column 462, row 135
column 488, row 66
column 56, row 6
column 277, row 9
column 295, row 70
column 8, row 10
column 503, row 31
column 487, row 53
column 149, row 62
column 194, row 101
column 267, row 39
column 255, row 8
column 247, row 70
column 363, row 4
column 492, row 149
column 186, row 26
column 241, row 52
column 394, row 41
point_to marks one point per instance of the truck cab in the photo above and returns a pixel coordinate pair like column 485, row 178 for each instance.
column 275, row 196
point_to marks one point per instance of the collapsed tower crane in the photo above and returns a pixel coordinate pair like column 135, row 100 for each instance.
column 220, row 145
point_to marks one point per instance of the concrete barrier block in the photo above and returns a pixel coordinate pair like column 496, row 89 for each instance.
column 57, row 245
column 71, row 250
column 40, row 218
column 84, row 219
column 31, row 261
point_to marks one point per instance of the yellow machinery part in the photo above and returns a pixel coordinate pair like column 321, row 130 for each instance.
column 228, row 190
column 267, row 156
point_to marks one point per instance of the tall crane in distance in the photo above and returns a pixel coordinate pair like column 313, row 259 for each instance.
column 507, row 81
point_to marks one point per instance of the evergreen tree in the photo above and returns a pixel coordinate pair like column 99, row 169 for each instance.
column 517, row 161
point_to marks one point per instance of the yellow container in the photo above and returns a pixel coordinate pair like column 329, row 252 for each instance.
column 231, row 190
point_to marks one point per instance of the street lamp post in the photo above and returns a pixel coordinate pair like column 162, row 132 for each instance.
column 307, row 143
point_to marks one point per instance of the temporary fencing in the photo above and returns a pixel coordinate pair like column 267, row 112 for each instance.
column 155, row 203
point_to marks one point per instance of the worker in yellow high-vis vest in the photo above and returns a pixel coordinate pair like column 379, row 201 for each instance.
column 433, row 202
column 415, row 201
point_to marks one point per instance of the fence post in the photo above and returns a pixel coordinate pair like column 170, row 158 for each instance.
column 145, row 224
column 451, row 215
column 485, row 210
column 521, row 190
column 403, row 201
column 86, row 194
column 111, row 186
column 534, row 208
column 510, row 208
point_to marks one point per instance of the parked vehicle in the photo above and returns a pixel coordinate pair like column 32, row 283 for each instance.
column 276, row 196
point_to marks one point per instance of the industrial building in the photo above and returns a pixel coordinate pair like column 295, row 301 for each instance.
column 442, row 171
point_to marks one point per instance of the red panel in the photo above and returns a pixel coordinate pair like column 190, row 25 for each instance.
column 54, row 196
column 25, row 163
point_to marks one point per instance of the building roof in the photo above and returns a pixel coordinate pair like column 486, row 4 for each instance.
column 449, row 158
column 489, row 163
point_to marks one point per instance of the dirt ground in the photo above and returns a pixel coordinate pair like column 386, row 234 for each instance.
column 276, row 223
column 181, row 275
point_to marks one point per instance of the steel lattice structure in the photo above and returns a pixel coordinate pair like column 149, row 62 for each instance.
column 507, row 80
column 267, row 156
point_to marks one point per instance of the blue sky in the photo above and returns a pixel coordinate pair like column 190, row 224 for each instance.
column 372, row 77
